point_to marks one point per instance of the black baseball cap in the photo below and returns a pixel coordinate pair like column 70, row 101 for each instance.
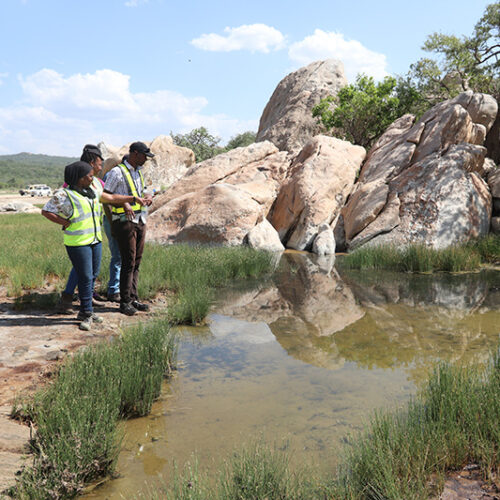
column 140, row 147
column 91, row 148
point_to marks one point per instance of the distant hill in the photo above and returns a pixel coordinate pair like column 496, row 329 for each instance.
column 18, row 170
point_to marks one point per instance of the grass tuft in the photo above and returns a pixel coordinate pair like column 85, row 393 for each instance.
column 424, row 259
column 76, row 416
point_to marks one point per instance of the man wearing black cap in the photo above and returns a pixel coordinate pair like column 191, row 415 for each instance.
column 129, row 223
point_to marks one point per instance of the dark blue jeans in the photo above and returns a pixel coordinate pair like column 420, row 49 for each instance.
column 115, row 264
column 86, row 262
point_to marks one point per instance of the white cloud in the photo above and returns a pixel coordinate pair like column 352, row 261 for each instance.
column 356, row 57
column 58, row 114
column 252, row 37
column 135, row 3
column 3, row 76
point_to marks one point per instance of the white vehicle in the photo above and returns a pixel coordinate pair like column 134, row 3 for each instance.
column 39, row 190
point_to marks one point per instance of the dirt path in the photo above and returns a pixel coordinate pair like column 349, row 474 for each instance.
column 16, row 197
column 31, row 344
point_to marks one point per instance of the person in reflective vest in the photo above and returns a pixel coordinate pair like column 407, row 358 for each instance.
column 129, row 223
column 78, row 210
column 91, row 154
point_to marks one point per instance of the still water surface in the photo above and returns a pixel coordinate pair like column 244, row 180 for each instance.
column 302, row 360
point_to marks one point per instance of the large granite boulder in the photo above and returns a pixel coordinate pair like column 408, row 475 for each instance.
column 317, row 186
column 169, row 164
column 223, row 200
column 287, row 119
column 220, row 214
column 422, row 182
column 254, row 163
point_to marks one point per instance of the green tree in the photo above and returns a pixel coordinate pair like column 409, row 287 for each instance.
column 241, row 140
column 463, row 63
column 200, row 141
column 363, row 110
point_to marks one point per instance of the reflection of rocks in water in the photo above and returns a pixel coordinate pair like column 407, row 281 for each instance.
column 465, row 292
column 414, row 320
column 315, row 296
column 260, row 304
column 302, row 341
column 308, row 302
column 376, row 319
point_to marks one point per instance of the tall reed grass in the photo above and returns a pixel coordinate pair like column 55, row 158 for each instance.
column 76, row 439
column 424, row 259
column 406, row 454
column 256, row 471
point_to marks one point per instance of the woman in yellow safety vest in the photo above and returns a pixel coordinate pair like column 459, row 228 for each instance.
column 78, row 210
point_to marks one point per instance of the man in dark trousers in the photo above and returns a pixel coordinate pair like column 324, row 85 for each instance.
column 128, row 223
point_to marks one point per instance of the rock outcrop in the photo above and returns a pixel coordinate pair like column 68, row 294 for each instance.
column 287, row 119
column 318, row 183
column 422, row 182
column 19, row 207
column 169, row 164
column 223, row 200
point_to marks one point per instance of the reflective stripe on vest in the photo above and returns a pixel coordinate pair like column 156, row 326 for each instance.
column 85, row 225
column 131, row 189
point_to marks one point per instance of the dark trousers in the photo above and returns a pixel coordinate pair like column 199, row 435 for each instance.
column 130, row 238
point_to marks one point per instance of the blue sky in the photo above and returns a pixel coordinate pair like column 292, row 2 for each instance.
column 81, row 71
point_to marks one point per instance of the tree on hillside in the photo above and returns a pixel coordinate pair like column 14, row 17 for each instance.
column 241, row 140
column 205, row 145
column 200, row 141
column 365, row 109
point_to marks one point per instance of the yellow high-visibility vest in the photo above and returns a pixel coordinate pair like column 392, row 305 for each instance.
column 131, row 189
column 85, row 225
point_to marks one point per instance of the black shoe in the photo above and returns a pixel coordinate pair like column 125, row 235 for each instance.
column 127, row 309
column 114, row 297
column 140, row 306
column 65, row 305
column 98, row 298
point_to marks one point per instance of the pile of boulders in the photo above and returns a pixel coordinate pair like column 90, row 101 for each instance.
column 427, row 181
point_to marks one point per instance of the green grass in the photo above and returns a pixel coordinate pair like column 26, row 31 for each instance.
column 423, row 259
column 76, row 416
column 452, row 423
column 257, row 471
column 32, row 253
column 403, row 454
column 33, row 256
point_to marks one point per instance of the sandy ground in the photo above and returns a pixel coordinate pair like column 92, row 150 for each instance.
column 15, row 197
